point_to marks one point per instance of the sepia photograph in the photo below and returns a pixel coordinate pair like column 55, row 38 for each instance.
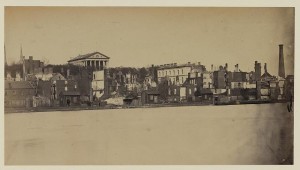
column 96, row 85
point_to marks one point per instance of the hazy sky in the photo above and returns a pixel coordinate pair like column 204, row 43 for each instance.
column 145, row 36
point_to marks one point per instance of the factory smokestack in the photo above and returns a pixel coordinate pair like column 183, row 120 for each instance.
column 281, row 70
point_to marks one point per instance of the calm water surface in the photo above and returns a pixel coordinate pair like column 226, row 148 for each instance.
column 243, row 134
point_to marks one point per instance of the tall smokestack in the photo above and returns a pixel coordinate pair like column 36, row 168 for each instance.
column 257, row 69
column 265, row 67
column 281, row 70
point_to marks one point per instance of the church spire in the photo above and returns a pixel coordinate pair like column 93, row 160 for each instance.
column 21, row 54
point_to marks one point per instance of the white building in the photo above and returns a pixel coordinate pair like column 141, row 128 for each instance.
column 95, row 60
column 207, row 80
column 98, row 83
column 177, row 74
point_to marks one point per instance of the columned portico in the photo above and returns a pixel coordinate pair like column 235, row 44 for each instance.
column 95, row 60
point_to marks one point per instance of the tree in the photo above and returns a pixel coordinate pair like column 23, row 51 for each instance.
column 143, row 72
column 45, row 61
column 163, row 89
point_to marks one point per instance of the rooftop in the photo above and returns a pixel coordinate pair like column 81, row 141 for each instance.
column 18, row 85
column 85, row 56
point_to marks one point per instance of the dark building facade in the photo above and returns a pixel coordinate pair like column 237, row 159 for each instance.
column 31, row 66
column 19, row 94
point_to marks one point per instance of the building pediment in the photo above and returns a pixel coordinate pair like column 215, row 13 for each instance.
column 95, row 55
column 98, row 56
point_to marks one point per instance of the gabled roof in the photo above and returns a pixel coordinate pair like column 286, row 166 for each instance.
column 85, row 56
column 18, row 85
column 266, row 74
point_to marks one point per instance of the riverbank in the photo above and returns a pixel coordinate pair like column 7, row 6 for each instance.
column 78, row 108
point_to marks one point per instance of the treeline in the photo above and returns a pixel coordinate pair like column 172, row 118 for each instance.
column 75, row 70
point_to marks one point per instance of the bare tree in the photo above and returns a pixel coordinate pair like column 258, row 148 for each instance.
column 45, row 61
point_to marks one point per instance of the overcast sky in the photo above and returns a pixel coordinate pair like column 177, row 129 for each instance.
column 145, row 36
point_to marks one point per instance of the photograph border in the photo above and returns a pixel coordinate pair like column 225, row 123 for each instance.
column 157, row 3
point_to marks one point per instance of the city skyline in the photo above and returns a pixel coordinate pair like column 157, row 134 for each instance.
column 160, row 35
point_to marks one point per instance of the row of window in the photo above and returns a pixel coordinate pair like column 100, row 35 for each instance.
column 14, row 92
column 165, row 73
column 175, row 91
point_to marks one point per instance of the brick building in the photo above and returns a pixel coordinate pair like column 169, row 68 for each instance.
column 19, row 94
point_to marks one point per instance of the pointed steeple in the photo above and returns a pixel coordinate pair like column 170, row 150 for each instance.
column 21, row 54
column 22, row 61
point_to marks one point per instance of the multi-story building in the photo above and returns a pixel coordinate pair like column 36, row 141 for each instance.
column 124, row 80
column 239, row 79
column 193, row 83
column 31, row 66
column 130, row 81
column 19, row 94
column 98, row 83
column 95, row 60
column 207, row 78
column 219, row 79
column 178, row 73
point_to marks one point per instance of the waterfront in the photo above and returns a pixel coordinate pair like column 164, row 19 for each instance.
column 239, row 134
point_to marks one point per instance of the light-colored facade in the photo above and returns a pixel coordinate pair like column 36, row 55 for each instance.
column 98, row 83
column 95, row 60
column 131, row 81
column 207, row 80
column 177, row 74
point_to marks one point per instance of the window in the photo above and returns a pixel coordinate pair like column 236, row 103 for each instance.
column 178, row 72
column 174, row 91
column 151, row 97
column 66, row 88
column 170, row 72
column 14, row 92
column 166, row 73
column 94, row 76
column 181, row 71
column 190, row 91
column 169, row 91
column 181, row 79
column 174, row 72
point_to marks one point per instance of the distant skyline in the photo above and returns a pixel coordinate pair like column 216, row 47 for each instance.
column 137, row 37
